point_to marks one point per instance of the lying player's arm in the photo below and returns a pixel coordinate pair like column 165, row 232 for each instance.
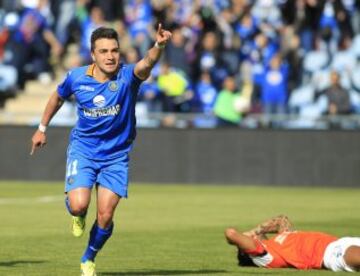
column 144, row 66
column 243, row 242
column 274, row 225
column 52, row 106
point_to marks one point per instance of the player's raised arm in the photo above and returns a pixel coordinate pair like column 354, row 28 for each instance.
column 274, row 225
column 144, row 66
column 52, row 106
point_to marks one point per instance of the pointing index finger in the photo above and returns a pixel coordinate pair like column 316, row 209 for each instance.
column 159, row 28
column 32, row 149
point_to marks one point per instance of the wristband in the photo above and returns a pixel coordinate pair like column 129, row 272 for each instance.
column 159, row 46
column 42, row 128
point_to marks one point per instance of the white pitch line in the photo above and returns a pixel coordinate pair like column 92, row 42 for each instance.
column 30, row 200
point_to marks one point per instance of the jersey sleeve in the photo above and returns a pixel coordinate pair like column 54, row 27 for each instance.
column 64, row 89
column 130, row 76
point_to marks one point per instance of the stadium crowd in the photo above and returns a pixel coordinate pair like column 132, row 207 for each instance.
column 230, row 58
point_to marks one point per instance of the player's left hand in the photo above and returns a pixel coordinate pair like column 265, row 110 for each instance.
column 162, row 36
column 38, row 141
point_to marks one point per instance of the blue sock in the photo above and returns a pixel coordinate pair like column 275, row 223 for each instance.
column 98, row 237
column 67, row 204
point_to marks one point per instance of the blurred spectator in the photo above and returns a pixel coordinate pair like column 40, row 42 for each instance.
column 131, row 55
column 175, row 52
column 208, row 59
column 338, row 97
column 150, row 95
column 138, row 16
column 29, row 44
column 225, row 109
column 268, row 17
column 10, row 5
column 262, row 50
column 308, row 22
column 176, row 90
column 334, row 20
column 246, row 28
column 124, row 37
column 274, row 91
column 205, row 94
column 293, row 56
column 65, row 17
column 212, row 41
column 88, row 25
column 112, row 9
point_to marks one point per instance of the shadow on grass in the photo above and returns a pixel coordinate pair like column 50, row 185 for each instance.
column 263, row 272
column 15, row 263
column 162, row 272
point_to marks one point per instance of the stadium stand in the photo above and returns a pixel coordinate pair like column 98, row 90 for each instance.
column 217, row 38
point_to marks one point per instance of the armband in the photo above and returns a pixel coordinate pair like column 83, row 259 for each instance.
column 42, row 128
column 157, row 45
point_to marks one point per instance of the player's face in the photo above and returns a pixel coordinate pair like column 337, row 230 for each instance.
column 106, row 55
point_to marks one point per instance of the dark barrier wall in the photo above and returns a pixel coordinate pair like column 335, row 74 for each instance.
column 267, row 157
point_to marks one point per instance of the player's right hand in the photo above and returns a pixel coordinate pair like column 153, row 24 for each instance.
column 38, row 141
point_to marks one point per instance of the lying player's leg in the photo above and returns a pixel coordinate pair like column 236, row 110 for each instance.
column 343, row 255
column 352, row 257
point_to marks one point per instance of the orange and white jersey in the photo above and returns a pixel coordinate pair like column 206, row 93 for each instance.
column 302, row 250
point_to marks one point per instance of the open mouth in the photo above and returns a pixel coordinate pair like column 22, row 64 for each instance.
column 110, row 65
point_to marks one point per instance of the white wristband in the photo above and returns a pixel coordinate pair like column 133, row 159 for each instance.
column 157, row 45
column 42, row 128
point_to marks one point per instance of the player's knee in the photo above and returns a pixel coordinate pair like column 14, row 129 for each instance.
column 78, row 209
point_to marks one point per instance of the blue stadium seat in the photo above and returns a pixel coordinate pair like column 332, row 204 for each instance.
column 355, row 78
column 315, row 61
column 343, row 61
column 301, row 96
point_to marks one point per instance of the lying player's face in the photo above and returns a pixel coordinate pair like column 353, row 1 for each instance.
column 106, row 55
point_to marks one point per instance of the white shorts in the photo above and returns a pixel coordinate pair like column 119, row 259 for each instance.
column 335, row 251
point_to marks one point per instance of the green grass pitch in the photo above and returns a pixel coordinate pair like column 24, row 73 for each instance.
column 161, row 229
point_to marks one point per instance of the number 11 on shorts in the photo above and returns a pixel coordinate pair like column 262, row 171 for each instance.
column 72, row 168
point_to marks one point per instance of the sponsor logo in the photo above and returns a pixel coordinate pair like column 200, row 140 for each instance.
column 86, row 88
column 113, row 86
column 70, row 180
column 99, row 101
column 102, row 112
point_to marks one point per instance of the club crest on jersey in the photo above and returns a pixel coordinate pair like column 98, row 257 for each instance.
column 99, row 101
column 113, row 86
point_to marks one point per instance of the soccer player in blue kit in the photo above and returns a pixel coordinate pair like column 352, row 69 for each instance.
column 105, row 94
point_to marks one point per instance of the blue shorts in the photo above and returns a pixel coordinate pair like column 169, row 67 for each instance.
column 112, row 174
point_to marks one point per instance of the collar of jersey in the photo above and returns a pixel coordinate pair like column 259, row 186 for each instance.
column 90, row 72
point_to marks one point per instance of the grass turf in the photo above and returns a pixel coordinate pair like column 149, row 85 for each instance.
column 161, row 229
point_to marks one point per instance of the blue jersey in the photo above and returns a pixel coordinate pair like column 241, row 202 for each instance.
column 106, row 111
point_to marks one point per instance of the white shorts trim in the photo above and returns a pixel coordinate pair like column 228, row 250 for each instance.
column 335, row 251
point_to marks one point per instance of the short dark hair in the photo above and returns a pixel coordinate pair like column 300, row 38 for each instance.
column 244, row 259
column 103, row 32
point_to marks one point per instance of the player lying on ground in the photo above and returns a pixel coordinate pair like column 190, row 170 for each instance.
column 289, row 248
